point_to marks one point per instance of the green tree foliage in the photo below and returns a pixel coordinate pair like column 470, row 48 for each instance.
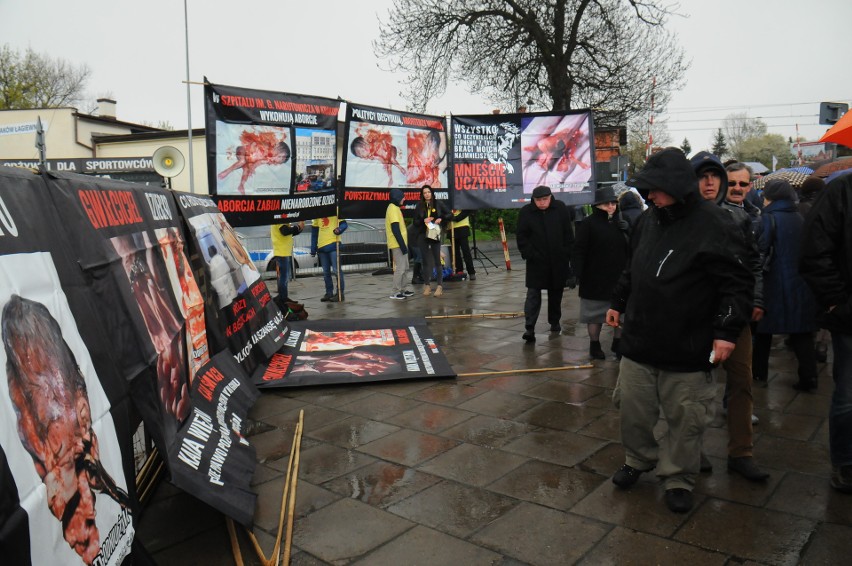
column 720, row 146
column 762, row 148
column 33, row 80
column 685, row 147
column 558, row 54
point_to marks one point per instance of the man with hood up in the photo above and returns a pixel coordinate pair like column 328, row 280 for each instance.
column 685, row 296
column 397, row 237
column 728, row 187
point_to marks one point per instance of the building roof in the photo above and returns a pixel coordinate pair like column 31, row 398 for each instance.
column 757, row 167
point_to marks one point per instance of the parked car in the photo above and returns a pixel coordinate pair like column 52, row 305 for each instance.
column 363, row 247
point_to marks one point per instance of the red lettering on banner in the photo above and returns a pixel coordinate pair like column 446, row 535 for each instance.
column 109, row 208
column 278, row 366
column 208, row 382
column 238, row 305
column 480, row 176
column 401, row 336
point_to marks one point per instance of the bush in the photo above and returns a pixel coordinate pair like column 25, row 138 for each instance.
column 487, row 226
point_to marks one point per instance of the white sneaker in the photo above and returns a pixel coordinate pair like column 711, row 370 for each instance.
column 397, row 297
column 755, row 420
column 408, row 293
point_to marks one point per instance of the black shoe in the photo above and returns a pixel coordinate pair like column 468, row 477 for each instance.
column 529, row 336
column 408, row 293
column 808, row 386
column 325, row 298
column 626, row 476
column 678, row 500
column 705, row 466
column 473, row 278
column 336, row 299
column 595, row 350
column 555, row 328
column 746, row 467
column 841, row 478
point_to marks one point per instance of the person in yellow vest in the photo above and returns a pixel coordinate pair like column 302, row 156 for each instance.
column 460, row 230
column 397, row 238
column 325, row 235
column 282, row 252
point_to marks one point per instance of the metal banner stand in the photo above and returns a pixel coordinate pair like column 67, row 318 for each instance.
column 476, row 251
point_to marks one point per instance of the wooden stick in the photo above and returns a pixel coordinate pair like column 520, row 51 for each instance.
column 532, row 370
column 144, row 495
column 477, row 315
column 235, row 544
column 292, row 509
column 195, row 83
column 141, row 475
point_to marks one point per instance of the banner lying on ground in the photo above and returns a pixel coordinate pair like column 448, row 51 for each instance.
column 498, row 159
column 66, row 464
column 386, row 149
column 264, row 144
column 355, row 351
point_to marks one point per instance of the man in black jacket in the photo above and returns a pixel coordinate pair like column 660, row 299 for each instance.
column 685, row 296
column 545, row 240
column 714, row 185
column 826, row 265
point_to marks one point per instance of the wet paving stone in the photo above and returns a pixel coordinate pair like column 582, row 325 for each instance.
column 453, row 508
column 559, row 447
column 831, row 543
column 556, row 538
column 448, row 393
column 546, row 484
column 353, row 432
column 378, row 406
column 560, row 416
column 625, row 546
column 430, row 418
column 564, row 392
column 811, row 497
column 355, row 529
column 381, row 484
column 781, row 536
column 441, row 550
column 324, row 462
column 408, row 447
column 487, row 431
column 473, row 465
column 499, row 404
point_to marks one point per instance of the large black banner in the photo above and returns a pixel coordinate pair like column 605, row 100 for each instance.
column 388, row 149
column 263, row 143
column 66, row 464
column 498, row 159
column 355, row 351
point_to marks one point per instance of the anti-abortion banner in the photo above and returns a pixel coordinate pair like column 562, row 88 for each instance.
column 240, row 313
column 498, row 159
column 66, row 463
column 355, row 351
column 263, row 143
column 211, row 457
column 388, row 149
column 259, row 211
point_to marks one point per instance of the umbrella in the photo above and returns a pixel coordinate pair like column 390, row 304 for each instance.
column 795, row 178
column 838, row 164
column 803, row 169
column 841, row 132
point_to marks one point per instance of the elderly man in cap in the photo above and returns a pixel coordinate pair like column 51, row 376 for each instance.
column 685, row 295
column 728, row 187
column 545, row 239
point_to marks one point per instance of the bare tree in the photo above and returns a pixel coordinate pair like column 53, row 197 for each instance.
column 32, row 80
column 559, row 54
column 739, row 127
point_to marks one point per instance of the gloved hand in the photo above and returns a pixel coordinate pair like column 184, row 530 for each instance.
column 623, row 225
column 571, row 282
column 336, row 231
column 313, row 252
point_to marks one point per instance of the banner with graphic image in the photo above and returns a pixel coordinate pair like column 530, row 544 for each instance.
column 386, row 149
column 498, row 159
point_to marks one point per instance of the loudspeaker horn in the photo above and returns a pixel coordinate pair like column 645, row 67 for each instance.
column 168, row 161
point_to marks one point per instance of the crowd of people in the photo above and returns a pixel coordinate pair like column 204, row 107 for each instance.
column 703, row 277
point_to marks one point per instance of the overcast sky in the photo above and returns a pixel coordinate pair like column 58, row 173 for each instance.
column 774, row 59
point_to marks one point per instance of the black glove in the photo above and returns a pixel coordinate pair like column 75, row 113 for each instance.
column 571, row 282
column 623, row 225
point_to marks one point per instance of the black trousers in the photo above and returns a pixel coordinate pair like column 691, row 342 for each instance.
column 802, row 345
column 532, row 307
column 462, row 246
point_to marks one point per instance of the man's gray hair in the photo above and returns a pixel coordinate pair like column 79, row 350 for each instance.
column 740, row 166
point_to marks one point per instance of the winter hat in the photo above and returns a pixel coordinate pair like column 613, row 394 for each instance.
column 779, row 189
column 541, row 191
column 811, row 186
column 668, row 171
column 396, row 196
column 604, row 195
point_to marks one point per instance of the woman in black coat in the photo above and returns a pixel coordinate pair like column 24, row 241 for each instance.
column 430, row 211
column 601, row 250
column 790, row 304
